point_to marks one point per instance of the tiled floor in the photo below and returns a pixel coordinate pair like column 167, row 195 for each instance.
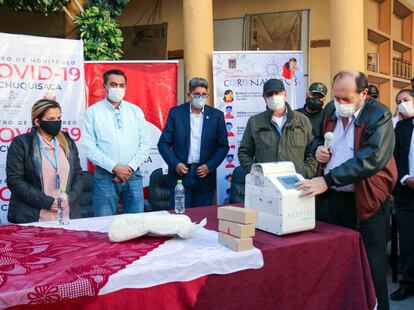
column 407, row 304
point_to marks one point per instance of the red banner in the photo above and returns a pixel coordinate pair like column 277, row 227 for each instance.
column 150, row 85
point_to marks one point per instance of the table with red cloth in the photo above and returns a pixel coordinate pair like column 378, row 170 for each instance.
column 321, row 269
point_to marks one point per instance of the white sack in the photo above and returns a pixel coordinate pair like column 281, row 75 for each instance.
column 129, row 226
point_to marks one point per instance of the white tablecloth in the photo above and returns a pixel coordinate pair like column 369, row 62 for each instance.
column 175, row 260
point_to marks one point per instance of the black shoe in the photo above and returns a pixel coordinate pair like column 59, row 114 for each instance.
column 401, row 294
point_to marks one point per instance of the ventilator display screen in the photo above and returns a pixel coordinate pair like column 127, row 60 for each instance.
column 288, row 181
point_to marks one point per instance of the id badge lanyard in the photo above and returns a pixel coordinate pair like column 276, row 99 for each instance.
column 54, row 164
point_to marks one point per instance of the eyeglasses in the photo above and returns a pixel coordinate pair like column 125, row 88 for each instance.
column 198, row 96
column 118, row 119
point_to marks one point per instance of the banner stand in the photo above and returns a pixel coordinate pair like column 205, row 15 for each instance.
column 238, row 92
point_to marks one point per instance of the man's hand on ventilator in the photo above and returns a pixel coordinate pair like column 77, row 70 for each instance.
column 312, row 187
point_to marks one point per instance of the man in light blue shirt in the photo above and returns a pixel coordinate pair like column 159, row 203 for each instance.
column 116, row 140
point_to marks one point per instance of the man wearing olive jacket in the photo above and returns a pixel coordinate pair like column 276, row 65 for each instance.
column 278, row 134
column 359, row 169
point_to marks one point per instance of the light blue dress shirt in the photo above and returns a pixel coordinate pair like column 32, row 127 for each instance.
column 115, row 136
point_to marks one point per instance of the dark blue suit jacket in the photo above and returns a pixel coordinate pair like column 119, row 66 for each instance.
column 403, row 132
column 174, row 142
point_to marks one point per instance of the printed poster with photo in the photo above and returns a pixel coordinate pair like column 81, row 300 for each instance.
column 238, row 92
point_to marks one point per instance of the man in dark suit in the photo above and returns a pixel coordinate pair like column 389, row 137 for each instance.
column 193, row 144
column 404, row 202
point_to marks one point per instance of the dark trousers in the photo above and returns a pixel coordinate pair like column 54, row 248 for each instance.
column 405, row 225
column 194, row 195
column 339, row 209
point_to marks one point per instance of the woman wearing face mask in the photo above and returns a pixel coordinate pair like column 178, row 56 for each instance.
column 40, row 164
column 405, row 108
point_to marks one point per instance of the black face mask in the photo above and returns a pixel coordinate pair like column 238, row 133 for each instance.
column 314, row 104
column 51, row 127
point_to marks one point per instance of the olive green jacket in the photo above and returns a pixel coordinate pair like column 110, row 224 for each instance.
column 262, row 142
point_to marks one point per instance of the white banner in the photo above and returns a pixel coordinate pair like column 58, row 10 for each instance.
column 238, row 87
column 32, row 68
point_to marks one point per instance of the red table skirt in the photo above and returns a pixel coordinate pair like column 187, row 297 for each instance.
column 170, row 296
column 326, row 268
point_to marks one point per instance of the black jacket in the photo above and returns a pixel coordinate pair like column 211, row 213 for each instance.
column 377, row 143
column 372, row 169
column 315, row 119
column 24, row 179
column 403, row 132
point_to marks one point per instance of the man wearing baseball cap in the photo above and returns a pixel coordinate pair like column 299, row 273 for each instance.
column 313, row 109
column 278, row 134
column 373, row 91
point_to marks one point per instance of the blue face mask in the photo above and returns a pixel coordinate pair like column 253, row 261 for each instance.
column 199, row 103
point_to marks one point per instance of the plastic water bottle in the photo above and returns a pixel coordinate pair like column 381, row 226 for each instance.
column 179, row 197
column 63, row 214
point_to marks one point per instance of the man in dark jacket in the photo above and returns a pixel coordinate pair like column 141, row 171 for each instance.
column 193, row 144
column 313, row 109
column 278, row 134
column 359, row 169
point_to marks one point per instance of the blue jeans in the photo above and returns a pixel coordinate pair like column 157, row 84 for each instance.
column 106, row 193
column 194, row 196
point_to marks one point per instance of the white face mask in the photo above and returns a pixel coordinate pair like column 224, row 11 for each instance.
column 406, row 108
column 199, row 103
column 345, row 109
column 116, row 94
column 275, row 102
